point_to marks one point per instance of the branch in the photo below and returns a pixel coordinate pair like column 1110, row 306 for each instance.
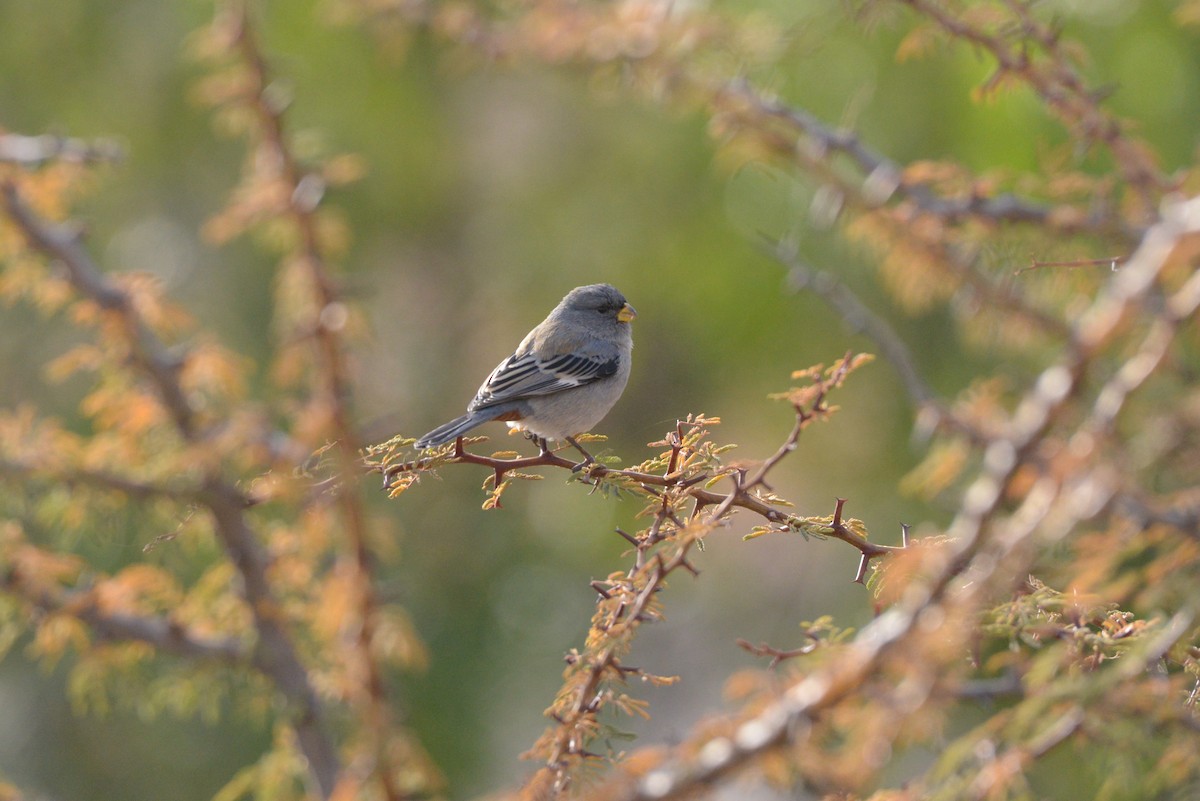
column 777, row 655
column 932, row 410
column 685, row 482
column 859, row 319
column 274, row 655
column 1059, row 86
column 882, row 180
column 625, row 601
column 164, row 634
column 305, row 190
column 679, row 477
column 986, row 545
column 76, row 476
column 62, row 243
column 34, row 151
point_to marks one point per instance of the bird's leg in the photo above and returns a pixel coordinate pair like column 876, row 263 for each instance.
column 541, row 442
column 587, row 457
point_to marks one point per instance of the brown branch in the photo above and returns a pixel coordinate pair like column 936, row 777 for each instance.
column 166, row 635
column 1058, row 84
column 984, row 544
column 623, row 602
column 777, row 655
column 77, row 476
column 274, row 654
column 1034, row 264
column 334, row 388
column 875, row 192
column 882, row 180
column 62, row 243
column 626, row 606
column 33, row 151
column 685, row 482
column 859, row 318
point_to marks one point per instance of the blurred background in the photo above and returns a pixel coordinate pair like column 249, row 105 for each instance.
column 490, row 191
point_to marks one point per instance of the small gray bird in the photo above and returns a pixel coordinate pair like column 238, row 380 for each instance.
column 564, row 376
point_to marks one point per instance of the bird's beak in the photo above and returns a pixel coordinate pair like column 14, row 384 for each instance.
column 626, row 313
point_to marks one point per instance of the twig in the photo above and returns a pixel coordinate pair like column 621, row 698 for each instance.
column 858, row 318
column 1034, row 264
column 34, row 151
column 777, row 655
column 932, row 410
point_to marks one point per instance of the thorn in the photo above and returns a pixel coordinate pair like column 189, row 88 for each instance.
column 837, row 513
column 620, row 613
column 595, row 585
column 904, row 527
column 631, row 539
column 863, row 562
column 587, row 457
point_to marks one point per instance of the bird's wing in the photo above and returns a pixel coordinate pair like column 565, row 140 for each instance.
column 523, row 375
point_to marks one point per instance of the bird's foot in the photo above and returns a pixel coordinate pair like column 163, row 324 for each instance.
column 588, row 459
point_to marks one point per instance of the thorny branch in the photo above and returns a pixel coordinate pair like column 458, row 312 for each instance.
column 275, row 654
column 1059, row 85
column 305, row 190
column 873, row 183
column 62, row 243
column 166, row 635
column 626, row 600
column 986, row 546
column 682, row 482
column 881, row 180
column 777, row 654
column 882, row 190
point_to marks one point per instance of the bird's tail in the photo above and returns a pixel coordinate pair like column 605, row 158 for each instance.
column 459, row 426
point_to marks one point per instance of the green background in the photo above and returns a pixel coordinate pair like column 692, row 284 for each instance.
column 490, row 191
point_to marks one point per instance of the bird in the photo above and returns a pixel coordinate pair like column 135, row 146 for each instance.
column 562, row 379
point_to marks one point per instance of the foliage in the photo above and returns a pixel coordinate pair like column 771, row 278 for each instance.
column 1054, row 613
